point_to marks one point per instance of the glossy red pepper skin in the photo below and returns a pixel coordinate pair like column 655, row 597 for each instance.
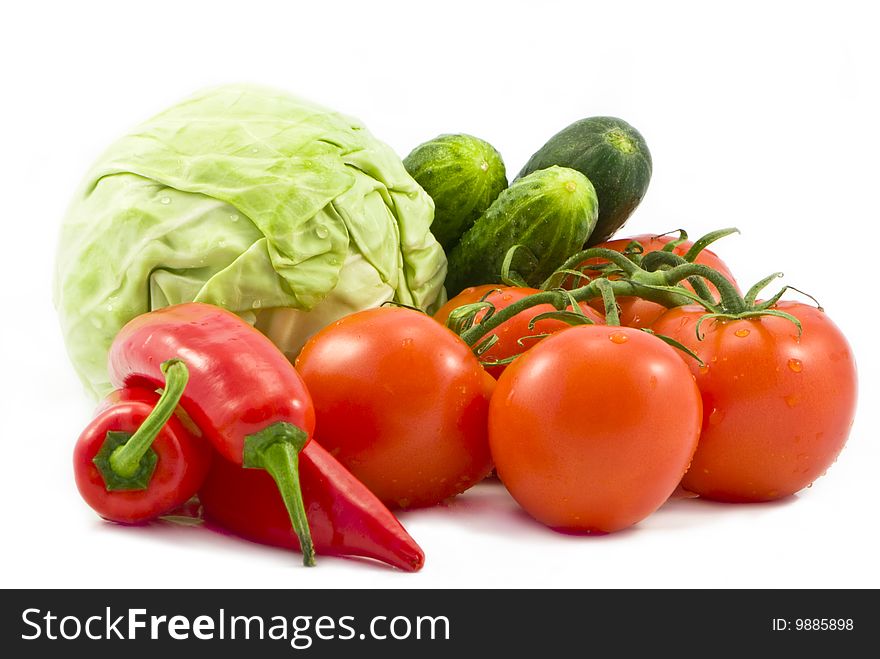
column 239, row 384
column 345, row 517
column 242, row 393
column 183, row 459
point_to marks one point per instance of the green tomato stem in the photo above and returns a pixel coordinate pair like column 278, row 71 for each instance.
column 612, row 316
column 731, row 301
column 656, row 260
column 707, row 240
column 659, row 286
column 650, row 285
column 620, row 260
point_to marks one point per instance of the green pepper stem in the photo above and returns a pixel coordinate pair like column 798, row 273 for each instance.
column 126, row 459
column 276, row 449
column 281, row 460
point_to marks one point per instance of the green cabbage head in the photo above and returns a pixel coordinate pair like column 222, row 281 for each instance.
column 286, row 213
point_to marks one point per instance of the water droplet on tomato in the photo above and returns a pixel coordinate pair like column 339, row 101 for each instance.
column 618, row 337
column 742, row 332
column 716, row 417
column 704, row 369
column 772, row 494
column 809, row 485
column 792, row 400
column 796, row 365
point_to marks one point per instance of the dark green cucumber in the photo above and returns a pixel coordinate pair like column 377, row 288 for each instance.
column 549, row 214
column 613, row 155
column 463, row 175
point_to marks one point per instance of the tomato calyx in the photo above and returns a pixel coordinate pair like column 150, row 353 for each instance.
column 752, row 308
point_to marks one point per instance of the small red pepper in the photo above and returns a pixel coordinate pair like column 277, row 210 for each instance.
column 138, row 459
column 345, row 517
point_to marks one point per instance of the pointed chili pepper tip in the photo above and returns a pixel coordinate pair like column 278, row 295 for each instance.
column 415, row 562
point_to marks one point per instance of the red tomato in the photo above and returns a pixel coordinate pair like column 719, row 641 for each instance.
column 401, row 401
column 634, row 311
column 510, row 332
column 593, row 428
column 778, row 407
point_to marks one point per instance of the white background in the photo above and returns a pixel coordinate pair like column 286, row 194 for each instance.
column 763, row 116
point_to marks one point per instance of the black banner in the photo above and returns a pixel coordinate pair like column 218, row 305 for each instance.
column 287, row 623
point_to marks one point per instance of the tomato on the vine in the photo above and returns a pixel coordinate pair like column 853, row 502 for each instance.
column 778, row 405
column 634, row 311
column 514, row 335
column 402, row 402
column 593, row 428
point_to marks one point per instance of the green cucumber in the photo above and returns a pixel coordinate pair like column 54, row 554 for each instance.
column 613, row 155
column 548, row 214
column 463, row 175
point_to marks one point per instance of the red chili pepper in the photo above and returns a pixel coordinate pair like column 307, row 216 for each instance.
column 345, row 517
column 254, row 408
column 137, row 459
column 243, row 394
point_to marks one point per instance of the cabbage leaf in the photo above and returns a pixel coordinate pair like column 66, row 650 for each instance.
column 277, row 209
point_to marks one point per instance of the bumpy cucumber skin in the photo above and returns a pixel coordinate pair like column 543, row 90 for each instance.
column 550, row 212
column 620, row 175
column 463, row 175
